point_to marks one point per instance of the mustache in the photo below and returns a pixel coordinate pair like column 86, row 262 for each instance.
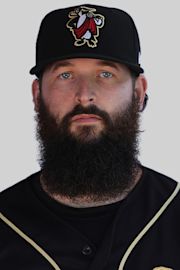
column 92, row 109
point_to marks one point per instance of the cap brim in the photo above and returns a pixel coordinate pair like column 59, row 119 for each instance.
column 40, row 67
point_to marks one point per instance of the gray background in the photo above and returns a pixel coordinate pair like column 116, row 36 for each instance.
column 158, row 26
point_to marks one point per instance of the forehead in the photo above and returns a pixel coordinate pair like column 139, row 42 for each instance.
column 85, row 62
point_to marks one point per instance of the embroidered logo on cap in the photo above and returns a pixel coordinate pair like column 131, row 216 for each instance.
column 85, row 25
column 162, row 268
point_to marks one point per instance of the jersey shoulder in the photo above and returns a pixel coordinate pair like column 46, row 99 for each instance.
column 159, row 184
column 18, row 192
column 158, row 177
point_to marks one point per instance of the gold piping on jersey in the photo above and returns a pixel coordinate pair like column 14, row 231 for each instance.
column 148, row 226
column 127, row 253
column 30, row 241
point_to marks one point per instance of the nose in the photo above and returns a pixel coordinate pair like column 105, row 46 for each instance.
column 85, row 93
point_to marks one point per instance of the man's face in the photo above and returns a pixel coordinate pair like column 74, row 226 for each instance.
column 88, row 123
column 85, row 82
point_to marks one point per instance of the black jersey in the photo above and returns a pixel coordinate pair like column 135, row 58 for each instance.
column 141, row 232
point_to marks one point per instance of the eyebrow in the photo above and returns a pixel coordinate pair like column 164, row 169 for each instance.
column 108, row 63
column 61, row 64
column 66, row 63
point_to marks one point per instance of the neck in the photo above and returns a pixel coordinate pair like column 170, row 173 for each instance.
column 87, row 201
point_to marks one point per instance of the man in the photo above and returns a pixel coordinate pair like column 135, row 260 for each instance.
column 92, row 205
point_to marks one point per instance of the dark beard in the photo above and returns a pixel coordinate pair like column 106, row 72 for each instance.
column 100, row 167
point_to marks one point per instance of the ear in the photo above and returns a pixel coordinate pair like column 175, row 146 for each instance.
column 140, row 89
column 35, row 94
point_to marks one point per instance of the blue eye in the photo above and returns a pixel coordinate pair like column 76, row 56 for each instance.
column 65, row 75
column 106, row 74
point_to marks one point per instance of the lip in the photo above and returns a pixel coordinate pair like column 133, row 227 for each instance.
column 85, row 118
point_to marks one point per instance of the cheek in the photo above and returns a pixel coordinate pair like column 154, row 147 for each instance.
column 59, row 103
column 119, row 99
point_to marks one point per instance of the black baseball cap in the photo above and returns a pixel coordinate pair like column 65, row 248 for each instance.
column 87, row 31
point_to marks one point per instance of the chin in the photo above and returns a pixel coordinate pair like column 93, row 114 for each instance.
column 86, row 133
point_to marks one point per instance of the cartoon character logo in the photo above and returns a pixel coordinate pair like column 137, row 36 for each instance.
column 85, row 25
